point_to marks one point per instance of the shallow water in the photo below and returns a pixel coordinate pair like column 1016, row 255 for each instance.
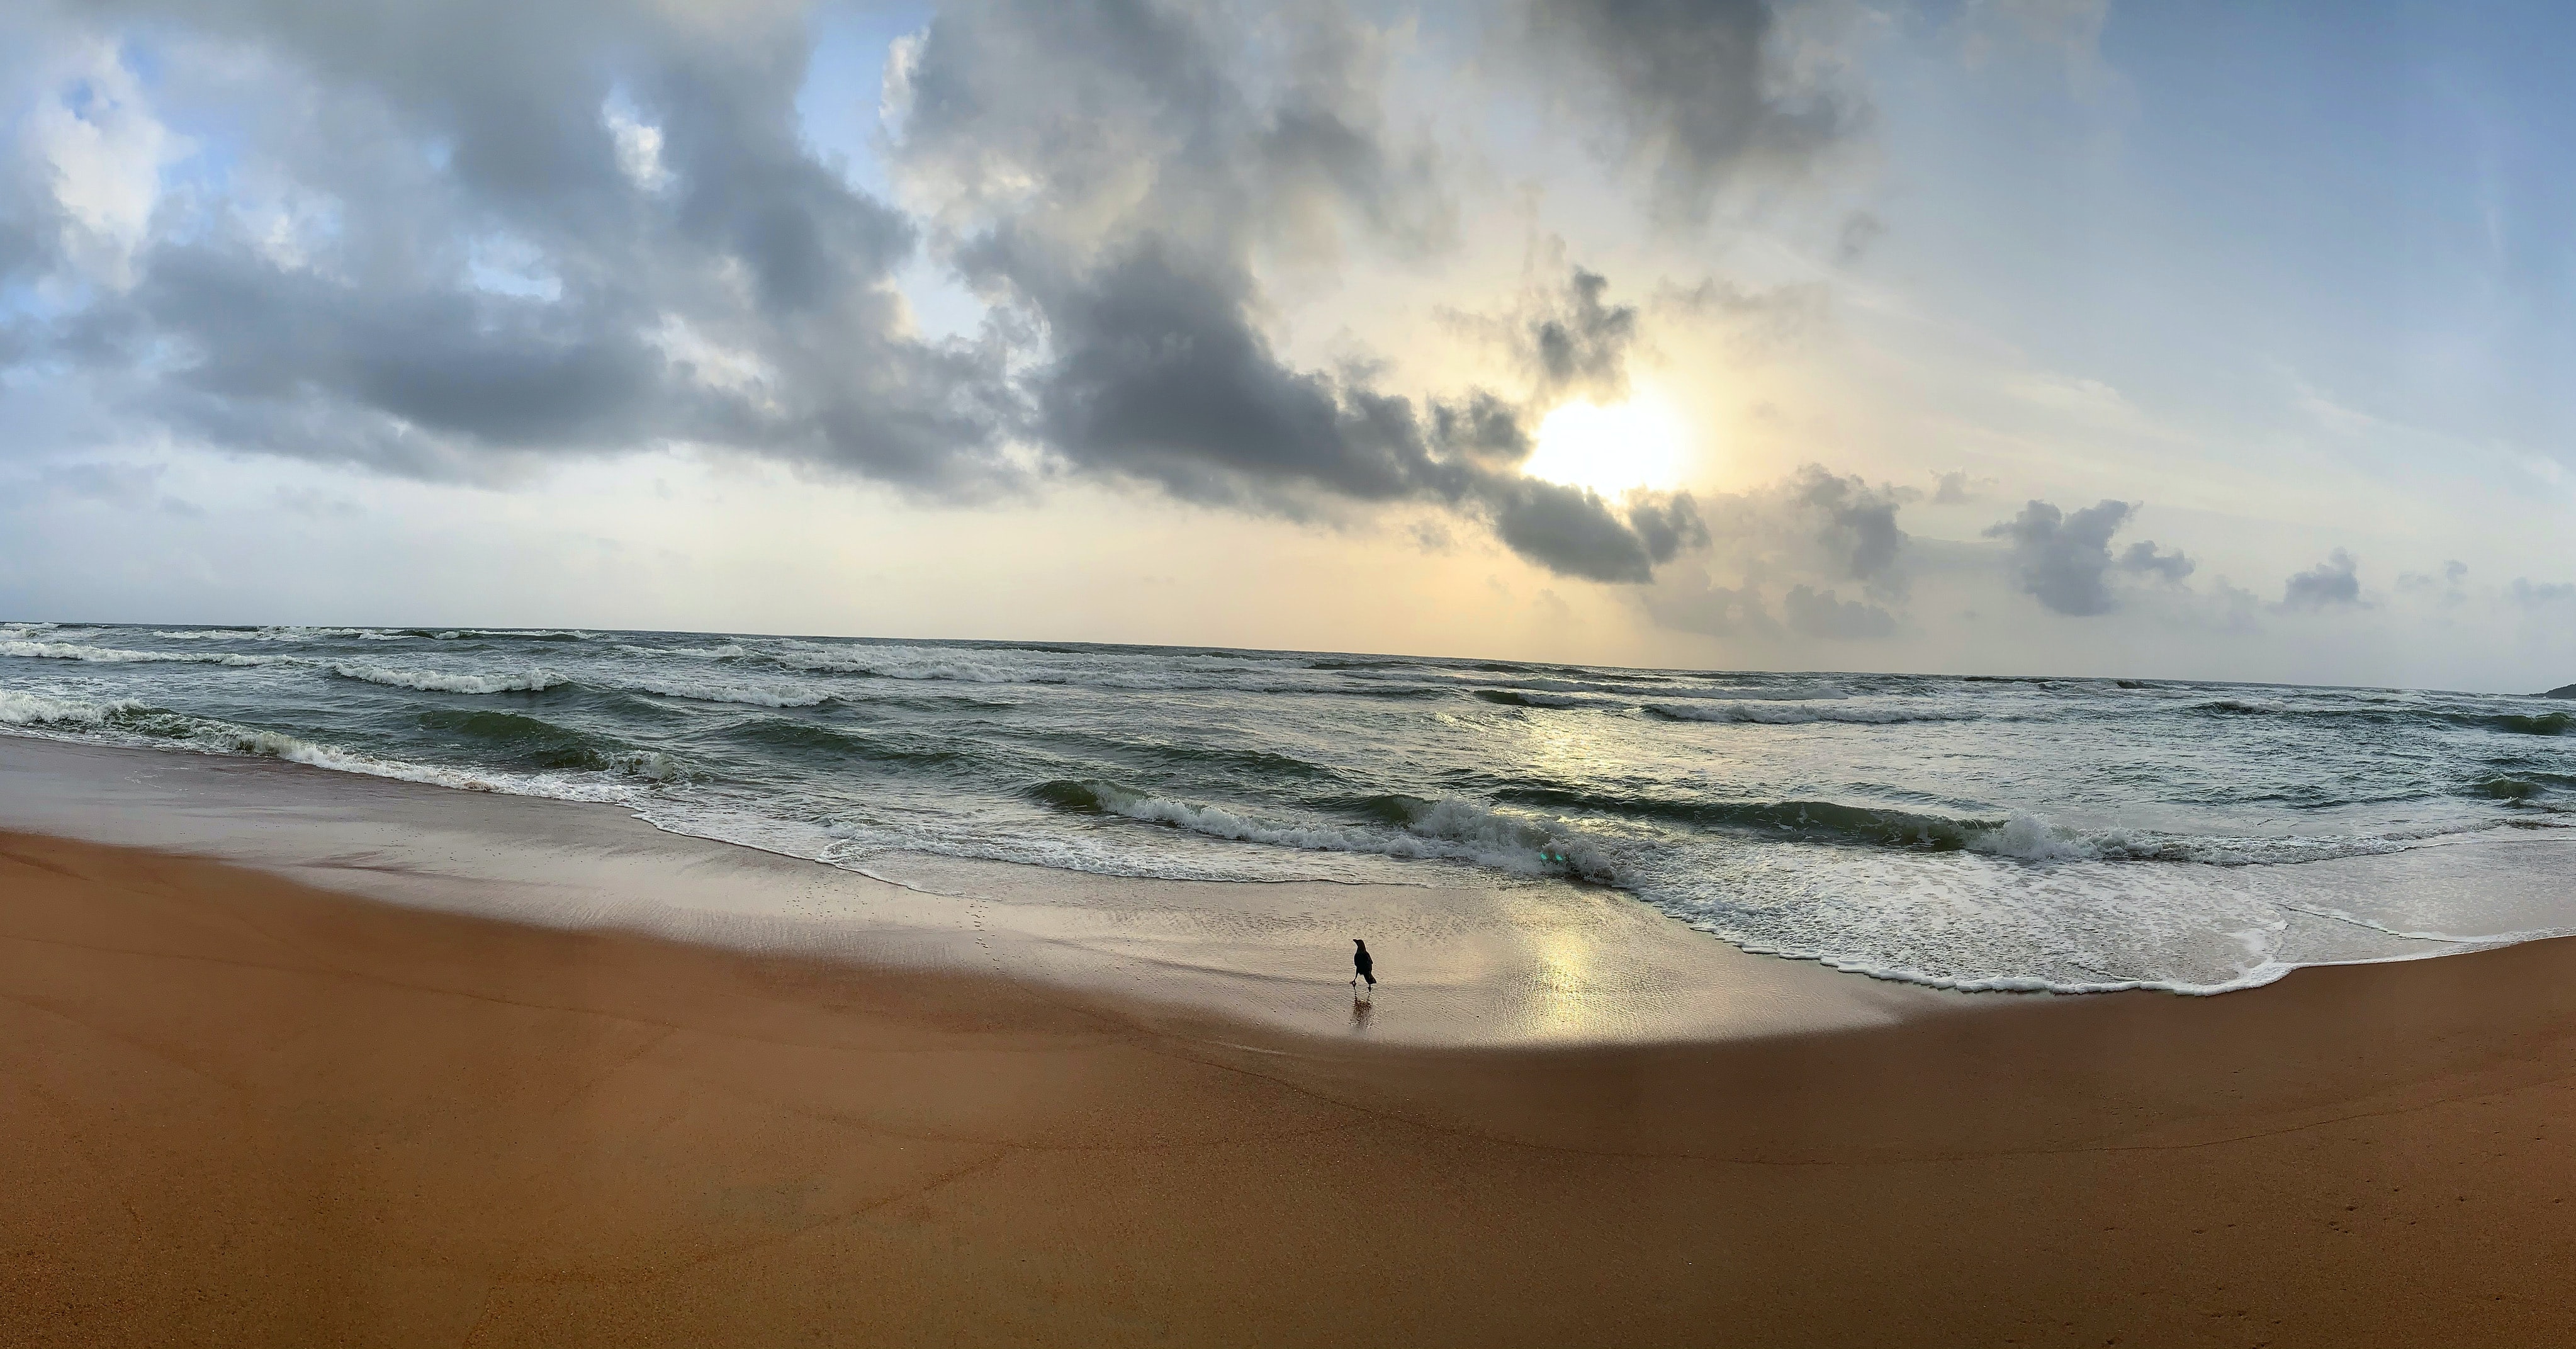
column 2065, row 834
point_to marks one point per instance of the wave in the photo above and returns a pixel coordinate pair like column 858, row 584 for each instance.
column 103, row 655
column 1799, row 714
column 733, row 691
column 477, row 634
column 872, row 663
column 534, row 742
column 226, row 737
column 36, row 709
column 791, row 734
column 2241, row 706
column 1828, row 820
column 268, row 634
column 135, row 723
column 2019, row 835
column 857, row 661
column 1451, row 830
column 2389, row 711
column 2504, row 789
column 440, row 681
column 1522, row 698
column 1255, row 763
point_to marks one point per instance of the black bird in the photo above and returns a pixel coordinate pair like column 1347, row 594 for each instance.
column 1360, row 961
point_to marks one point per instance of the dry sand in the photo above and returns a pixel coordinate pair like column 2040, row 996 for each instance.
column 240, row 1110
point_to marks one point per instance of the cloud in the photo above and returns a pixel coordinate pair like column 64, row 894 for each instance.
column 1701, row 92
column 426, row 249
column 1798, row 538
column 127, row 485
column 457, row 242
column 2543, row 596
column 1135, row 242
column 1690, row 600
column 1814, row 614
column 1560, row 337
column 1854, row 525
column 1583, row 345
column 2445, row 588
column 2065, row 561
column 1957, row 487
column 2330, row 584
column 2143, row 559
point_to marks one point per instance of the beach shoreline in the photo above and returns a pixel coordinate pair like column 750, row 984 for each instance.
column 1471, row 960
column 259, row 1110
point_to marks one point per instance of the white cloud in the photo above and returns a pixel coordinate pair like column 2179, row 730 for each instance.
column 639, row 145
column 94, row 130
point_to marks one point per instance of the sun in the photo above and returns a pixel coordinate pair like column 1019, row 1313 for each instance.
column 1612, row 449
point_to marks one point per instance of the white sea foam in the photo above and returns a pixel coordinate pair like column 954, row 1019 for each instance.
column 268, row 634
column 734, row 691
column 101, row 655
column 2252, row 705
column 441, row 681
column 36, row 709
column 895, row 663
column 1456, row 831
column 1247, row 784
column 2033, row 839
column 1801, row 713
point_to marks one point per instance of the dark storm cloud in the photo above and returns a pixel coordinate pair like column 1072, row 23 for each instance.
column 1698, row 89
column 493, row 280
column 2144, row 559
column 505, row 231
column 1132, row 239
column 2065, row 561
column 1583, row 346
column 1854, row 524
column 2333, row 583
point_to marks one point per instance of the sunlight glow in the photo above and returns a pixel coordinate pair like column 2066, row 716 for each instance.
column 1638, row 443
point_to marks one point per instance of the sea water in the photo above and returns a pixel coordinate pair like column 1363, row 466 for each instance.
column 2068, row 834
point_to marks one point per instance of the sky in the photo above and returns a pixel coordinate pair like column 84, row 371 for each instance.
column 2070, row 337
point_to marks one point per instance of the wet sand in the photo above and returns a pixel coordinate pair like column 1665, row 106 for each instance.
column 247, row 1110
column 1483, row 962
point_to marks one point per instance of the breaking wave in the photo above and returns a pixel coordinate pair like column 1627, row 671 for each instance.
column 440, row 681
column 2091, row 816
column 1799, row 714
column 102, row 655
column 735, row 691
column 1449, row 830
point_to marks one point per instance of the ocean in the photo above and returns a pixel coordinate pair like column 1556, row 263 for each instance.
column 1965, row 832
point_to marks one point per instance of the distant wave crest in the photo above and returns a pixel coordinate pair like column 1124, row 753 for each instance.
column 103, row 655
column 441, row 681
column 1799, row 714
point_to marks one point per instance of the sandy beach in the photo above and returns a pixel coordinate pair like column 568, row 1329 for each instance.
column 248, row 1109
